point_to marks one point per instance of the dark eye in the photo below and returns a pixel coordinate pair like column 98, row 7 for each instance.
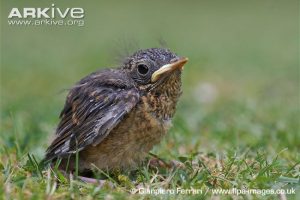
column 142, row 69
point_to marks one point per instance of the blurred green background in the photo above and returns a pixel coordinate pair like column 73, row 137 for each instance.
column 241, row 86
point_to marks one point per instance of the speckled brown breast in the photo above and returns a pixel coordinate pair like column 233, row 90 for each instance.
column 128, row 144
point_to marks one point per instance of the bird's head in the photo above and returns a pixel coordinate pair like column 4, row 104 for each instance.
column 155, row 70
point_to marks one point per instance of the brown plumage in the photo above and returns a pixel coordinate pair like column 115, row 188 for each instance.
column 114, row 117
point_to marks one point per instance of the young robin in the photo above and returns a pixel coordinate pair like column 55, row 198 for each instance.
column 113, row 117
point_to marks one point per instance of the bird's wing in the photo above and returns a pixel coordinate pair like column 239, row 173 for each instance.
column 91, row 111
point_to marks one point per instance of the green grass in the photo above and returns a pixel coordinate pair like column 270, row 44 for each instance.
column 237, row 123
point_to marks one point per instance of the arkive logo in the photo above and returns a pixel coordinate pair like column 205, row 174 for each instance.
column 46, row 13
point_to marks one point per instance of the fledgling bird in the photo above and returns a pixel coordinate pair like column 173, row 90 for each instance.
column 113, row 117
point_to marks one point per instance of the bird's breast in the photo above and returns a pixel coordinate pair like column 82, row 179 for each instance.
column 141, row 129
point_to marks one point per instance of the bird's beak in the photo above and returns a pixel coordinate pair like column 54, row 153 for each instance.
column 168, row 68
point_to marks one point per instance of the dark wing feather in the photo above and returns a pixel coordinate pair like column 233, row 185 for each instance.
column 93, row 108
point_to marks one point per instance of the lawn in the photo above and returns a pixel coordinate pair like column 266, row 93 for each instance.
column 236, row 125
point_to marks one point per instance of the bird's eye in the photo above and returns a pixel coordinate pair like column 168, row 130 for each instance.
column 142, row 69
